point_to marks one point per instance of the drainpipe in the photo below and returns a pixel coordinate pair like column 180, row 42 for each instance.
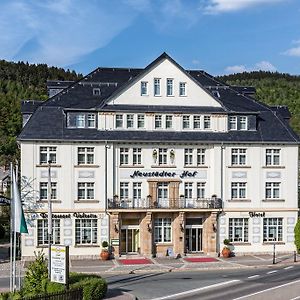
column 105, row 188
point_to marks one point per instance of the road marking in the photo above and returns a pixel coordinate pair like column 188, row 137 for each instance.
column 253, row 276
column 290, row 267
column 272, row 272
column 267, row 290
column 298, row 297
column 259, row 257
column 197, row 290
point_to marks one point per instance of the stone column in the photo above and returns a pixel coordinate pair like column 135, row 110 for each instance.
column 178, row 233
column 146, row 236
column 209, row 238
column 115, row 230
column 152, row 192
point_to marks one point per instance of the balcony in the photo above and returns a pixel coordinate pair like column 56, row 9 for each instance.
column 181, row 203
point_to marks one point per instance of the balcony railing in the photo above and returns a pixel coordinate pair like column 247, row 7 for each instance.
column 148, row 203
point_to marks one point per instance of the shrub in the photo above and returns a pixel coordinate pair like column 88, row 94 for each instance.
column 54, row 287
column 2, row 232
column 36, row 278
column 11, row 296
column 104, row 244
column 297, row 235
column 226, row 242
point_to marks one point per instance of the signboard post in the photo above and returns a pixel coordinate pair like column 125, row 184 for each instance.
column 60, row 264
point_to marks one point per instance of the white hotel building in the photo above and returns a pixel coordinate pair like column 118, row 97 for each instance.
column 159, row 160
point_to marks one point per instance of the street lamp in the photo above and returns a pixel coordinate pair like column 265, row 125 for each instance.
column 49, row 192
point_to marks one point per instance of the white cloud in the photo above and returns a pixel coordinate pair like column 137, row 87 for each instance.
column 223, row 6
column 294, row 51
column 260, row 66
column 59, row 32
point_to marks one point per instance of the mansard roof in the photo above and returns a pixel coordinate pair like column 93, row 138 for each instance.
column 48, row 121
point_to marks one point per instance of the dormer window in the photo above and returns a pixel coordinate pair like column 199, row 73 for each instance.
column 185, row 122
column 130, row 122
column 156, row 86
column 232, row 123
column 170, row 91
column 119, row 121
column 197, row 122
column 243, row 123
column 158, row 121
column 182, row 89
column 206, row 122
column 91, row 121
column 141, row 121
column 96, row 92
column 144, row 88
column 169, row 122
column 80, row 121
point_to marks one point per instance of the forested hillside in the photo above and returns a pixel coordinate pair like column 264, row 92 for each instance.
column 273, row 89
column 21, row 81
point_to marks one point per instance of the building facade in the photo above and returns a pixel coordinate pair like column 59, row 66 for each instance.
column 159, row 161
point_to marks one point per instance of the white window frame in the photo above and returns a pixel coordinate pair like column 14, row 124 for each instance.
column 239, row 189
column 85, row 191
column 49, row 152
column 86, row 231
column 119, row 121
column 188, row 190
column 136, row 156
column 206, row 122
column 43, row 193
column 124, row 190
column 158, row 121
column 272, row 190
column 197, row 122
column 243, row 123
column 91, row 121
column 272, row 157
column 42, row 232
column 169, row 121
column 124, row 156
column 162, row 230
column 85, row 155
column 201, row 153
column 130, row 121
column 170, row 87
column 232, row 123
column 144, row 88
column 186, row 122
column 182, row 89
column 157, row 87
column 238, row 230
column 80, row 121
column 238, row 156
column 272, row 229
column 140, row 121
column 201, row 190
column 162, row 156
column 188, row 156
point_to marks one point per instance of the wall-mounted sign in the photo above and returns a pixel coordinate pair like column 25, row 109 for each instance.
column 114, row 242
column 182, row 174
column 75, row 215
column 59, row 264
column 257, row 214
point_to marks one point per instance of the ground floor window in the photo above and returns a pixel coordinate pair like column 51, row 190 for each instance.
column 85, row 231
column 273, row 229
column 42, row 228
column 238, row 230
column 162, row 230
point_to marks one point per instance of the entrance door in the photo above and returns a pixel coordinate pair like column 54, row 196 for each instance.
column 162, row 194
column 130, row 240
column 193, row 239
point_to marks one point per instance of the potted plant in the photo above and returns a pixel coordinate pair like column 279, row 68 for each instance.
column 226, row 250
column 104, row 252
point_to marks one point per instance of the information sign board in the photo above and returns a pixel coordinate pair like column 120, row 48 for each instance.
column 60, row 264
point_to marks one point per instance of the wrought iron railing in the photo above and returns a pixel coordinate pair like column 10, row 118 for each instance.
column 178, row 203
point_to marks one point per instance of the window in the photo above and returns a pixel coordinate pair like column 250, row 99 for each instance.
column 47, row 154
column 238, row 190
column 130, row 122
column 206, row 122
column 85, row 155
column 272, row 190
column 119, row 121
column 197, row 122
column 137, row 156
column 44, row 190
column 182, row 89
column 272, row 157
column 158, row 121
column 80, row 121
column 188, row 190
column 141, row 121
column 200, row 190
column 42, row 232
column 232, row 123
column 200, row 157
column 169, row 121
column 124, row 156
column 238, row 230
column 85, row 190
column 162, row 156
column 144, row 88
column 86, row 231
column 91, row 121
column 137, row 190
column 170, row 87
column 188, row 157
column 162, row 230
column 185, row 122
column 243, row 123
column 273, row 230
column 156, row 86
column 96, row 92
column 238, row 157
column 124, row 192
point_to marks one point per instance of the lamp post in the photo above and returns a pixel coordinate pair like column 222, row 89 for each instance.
column 49, row 192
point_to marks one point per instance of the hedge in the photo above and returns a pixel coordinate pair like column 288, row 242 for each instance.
column 297, row 235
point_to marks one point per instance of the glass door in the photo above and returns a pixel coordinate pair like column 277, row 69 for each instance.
column 130, row 240
column 193, row 239
column 162, row 194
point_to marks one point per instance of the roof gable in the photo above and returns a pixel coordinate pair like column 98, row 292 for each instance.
column 163, row 68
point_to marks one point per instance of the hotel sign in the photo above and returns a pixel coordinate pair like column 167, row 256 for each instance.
column 75, row 215
column 257, row 214
column 164, row 174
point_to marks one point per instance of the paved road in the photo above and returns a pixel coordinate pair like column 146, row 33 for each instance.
column 211, row 285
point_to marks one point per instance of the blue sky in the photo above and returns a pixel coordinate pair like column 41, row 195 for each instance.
column 219, row 36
